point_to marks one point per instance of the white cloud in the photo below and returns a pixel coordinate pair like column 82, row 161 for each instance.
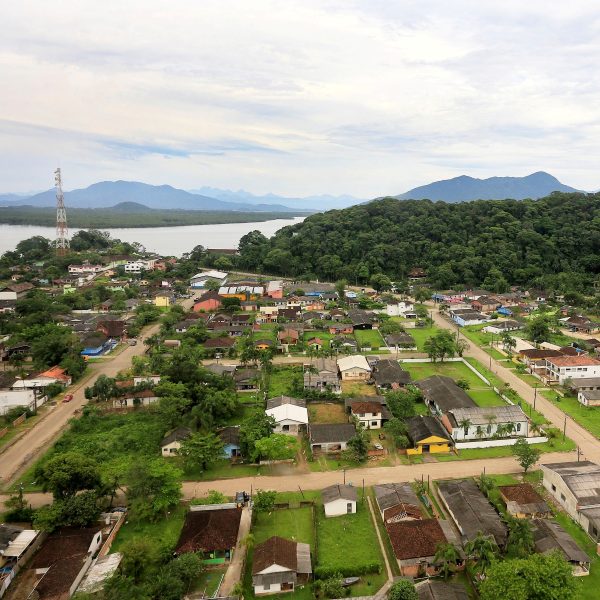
column 362, row 97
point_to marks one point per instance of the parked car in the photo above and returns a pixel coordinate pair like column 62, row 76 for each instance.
column 68, row 398
column 132, row 342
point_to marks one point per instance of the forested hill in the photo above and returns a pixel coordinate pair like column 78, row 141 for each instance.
column 489, row 242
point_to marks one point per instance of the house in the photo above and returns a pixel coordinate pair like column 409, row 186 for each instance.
column 323, row 375
column 95, row 344
column 246, row 380
column 400, row 341
column 476, row 422
column 85, row 268
column 536, row 356
column 427, row 435
column 15, row 291
column 25, row 398
column 244, row 320
column 433, row 589
column 523, row 502
column 341, row 329
column 584, row 384
column 485, row 304
column 114, row 328
column 171, row 443
column 339, row 500
column 7, row 306
column 267, row 314
column 289, row 418
column 279, row 565
column 62, row 561
column 354, row 367
column 471, row 511
column 348, row 343
column 576, row 488
column 230, row 436
column 330, row 437
column 163, row 300
column 314, row 342
column 274, row 289
column 561, row 368
column 288, row 337
column 220, row 344
column 397, row 501
column 15, row 548
column 172, row 343
column 152, row 379
column 361, row 319
column 549, row 536
column 589, row 397
column 465, row 316
column 288, row 314
column 208, row 302
column 582, row 325
column 199, row 280
column 135, row 399
column 442, row 394
column 500, row 327
column 389, row 375
column 281, row 400
column 212, row 530
column 399, row 309
column 264, row 344
column 368, row 413
column 415, row 543
column 58, row 375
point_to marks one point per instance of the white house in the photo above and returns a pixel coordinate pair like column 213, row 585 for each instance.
column 482, row 423
column 500, row 327
column 399, row 309
column 84, row 268
column 289, row 418
column 171, row 443
column 153, row 379
column 561, row 368
column 24, row 398
column 368, row 413
column 354, row 367
column 199, row 279
column 339, row 500
column 589, row 397
column 137, row 266
column 467, row 316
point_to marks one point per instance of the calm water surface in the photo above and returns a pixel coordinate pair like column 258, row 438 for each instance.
column 164, row 240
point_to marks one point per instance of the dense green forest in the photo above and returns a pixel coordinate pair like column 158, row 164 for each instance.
column 107, row 217
column 553, row 241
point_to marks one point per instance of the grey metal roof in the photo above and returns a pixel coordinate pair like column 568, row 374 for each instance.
column 471, row 510
column 444, row 392
column 582, row 478
column 431, row 589
column 177, row 435
column 281, row 400
column 389, row 371
column 337, row 492
column 331, row 433
column 389, row 495
column 421, row 427
column 549, row 536
column 478, row 415
column 591, row 394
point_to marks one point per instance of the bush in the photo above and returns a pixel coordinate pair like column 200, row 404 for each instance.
column 324, row 572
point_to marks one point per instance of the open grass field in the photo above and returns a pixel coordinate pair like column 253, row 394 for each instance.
column 421, row 334
column 324, row 336
column 327, row 412
column 358, row 388
column 587, row 417
column 294, row 524
column 369, row 338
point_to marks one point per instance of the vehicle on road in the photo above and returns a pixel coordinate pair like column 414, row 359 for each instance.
column 68, row 398
column 132, row 342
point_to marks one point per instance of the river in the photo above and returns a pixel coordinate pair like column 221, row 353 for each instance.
column 168, row 241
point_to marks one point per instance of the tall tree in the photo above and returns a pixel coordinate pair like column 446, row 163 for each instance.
column 525, row 454
column 201, row 450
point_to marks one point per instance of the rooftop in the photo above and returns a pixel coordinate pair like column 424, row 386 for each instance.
column 522, row 498
column 582, row 478
column 422, row 427
column 416, row 538
column 356, row 361
column 478, row 415
column 331, row 433
column 431, row 589
column 550, row 536
column 280, row 400
column 209, row 530
column 337, row 492
column 444, row 392
column 573, row 361
column 389, row 495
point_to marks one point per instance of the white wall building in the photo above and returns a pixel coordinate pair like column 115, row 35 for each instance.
column 289, row 418
column 339, row 500
column 354, row 367
column 23, row 398
column 479, row 423
column 561, row 368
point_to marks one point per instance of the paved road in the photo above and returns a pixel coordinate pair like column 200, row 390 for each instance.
column 16, row 458
column 588, row 444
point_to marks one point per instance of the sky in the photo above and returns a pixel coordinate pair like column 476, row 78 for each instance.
column 366, row 98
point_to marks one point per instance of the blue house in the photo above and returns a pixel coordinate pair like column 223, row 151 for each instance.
column 96, row 344
column 230, row 436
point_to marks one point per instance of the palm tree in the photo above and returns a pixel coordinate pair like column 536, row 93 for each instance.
column 465, row 424
column 520, row 536
column 482, row 550
column 446, row 555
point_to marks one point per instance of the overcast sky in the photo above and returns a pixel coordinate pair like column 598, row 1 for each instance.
column 359, row 97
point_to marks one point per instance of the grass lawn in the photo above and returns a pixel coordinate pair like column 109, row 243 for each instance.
column 349, row 541
column 420, row 334
column 475, row 334
column 327, row 412
column 587, row 417
column 324, row 336
column 165, row 531
column 244, row 411
column 486, row 397
column 384, row 536
column 529, row 379
column 369, row 338
column 209, row 581
column 294, row 524
column 591, row 583
column 281, row 380
column 358, row 388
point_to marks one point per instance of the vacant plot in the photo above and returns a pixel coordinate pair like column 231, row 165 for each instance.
column 293, row 524
column 327, row 412
column 455, row 370
column 421, row 334
column 369, row 338
column 283, row 379
column 587, row 417
column 358, row 388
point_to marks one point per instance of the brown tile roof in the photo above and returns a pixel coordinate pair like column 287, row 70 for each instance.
column 365, row 407
column 573, row 361
column 415, row 539
column 275, row 550
column 209, row 530
column 220, row 342
column 523, row 493
column 534, row 353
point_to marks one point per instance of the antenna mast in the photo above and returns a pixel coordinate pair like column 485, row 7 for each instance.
column 62, row 231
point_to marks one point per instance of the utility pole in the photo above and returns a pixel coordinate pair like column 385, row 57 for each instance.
column 565, row 429
column 535, row 395
column 62, row 231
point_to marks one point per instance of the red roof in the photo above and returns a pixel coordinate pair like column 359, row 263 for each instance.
column 55, row 373
column 573, row 361
column 415, row 539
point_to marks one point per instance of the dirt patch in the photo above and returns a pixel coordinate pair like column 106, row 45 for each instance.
column 327, row 412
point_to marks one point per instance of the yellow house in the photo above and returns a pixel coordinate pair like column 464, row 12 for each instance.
column 427, row 435
column 162, row 300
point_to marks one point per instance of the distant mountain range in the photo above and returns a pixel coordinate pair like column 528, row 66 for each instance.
column 465, row 188
column 106, row 194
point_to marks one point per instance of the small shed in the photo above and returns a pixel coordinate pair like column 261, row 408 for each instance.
column 339, row 500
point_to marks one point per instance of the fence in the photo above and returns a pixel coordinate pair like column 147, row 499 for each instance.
column 14, row 424
column 497, row 443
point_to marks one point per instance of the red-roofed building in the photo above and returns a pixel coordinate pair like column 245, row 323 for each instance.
column 561, row 368
column 57, row 373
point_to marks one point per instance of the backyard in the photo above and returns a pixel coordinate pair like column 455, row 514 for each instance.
column 369, row 338
column 327, row 412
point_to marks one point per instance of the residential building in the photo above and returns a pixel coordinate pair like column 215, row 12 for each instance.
column 354, row 367
column 523, row 502
column 561, row 368
column 339, row 500
column 136, row 399
column 279, row 565
column 95, row 344
column 171, row 443
column 400, row 341
column 322, row 375
column 415, row 543
column 389, row 375
column 471, row 511
column 368, row 413
column 427, row 435
column 230, row 436
column 466, row 316
column 26, row 398
column 361, row 319
column 434, row 589
column 397, row 501
column 479, row 423
column 209, row 301
column 289, row 418
column 549, row 536
column 138, row 266
column 274, row 289
column 330, row 437
column 84, row 269
column 200, row 279
column 211, row 530
column 589, row 397
column 220, row 344
column 163, row 300
column 576, row 488
column 441, row 394
column 246, row 380
column 15, row 291
column 500, row 327
column 485, row 304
